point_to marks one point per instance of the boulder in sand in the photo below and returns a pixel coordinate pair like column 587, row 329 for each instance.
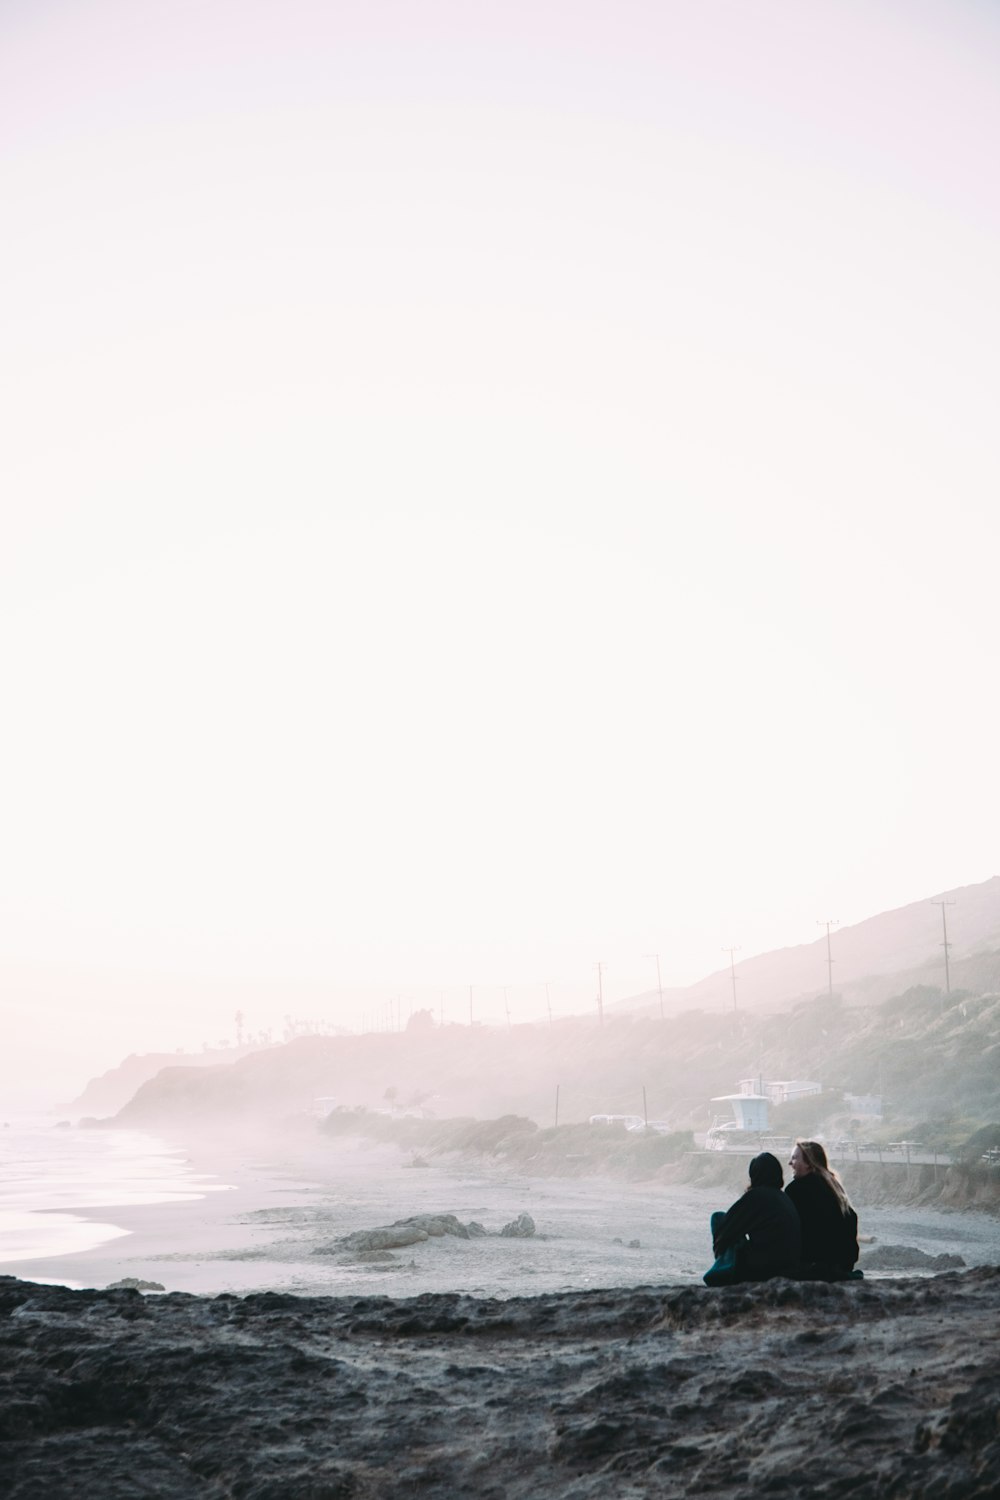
column 391, row 1237
column 521, row 1228
column 436, row 1225
column 907, row 1258
column 412, row 1231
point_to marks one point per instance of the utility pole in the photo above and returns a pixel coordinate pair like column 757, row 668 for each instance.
column 732, row 970
column 600, row 991
column 832, row 922
column 659, row 981
column 945, row 945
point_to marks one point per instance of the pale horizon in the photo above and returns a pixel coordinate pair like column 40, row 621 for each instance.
column 486, row 492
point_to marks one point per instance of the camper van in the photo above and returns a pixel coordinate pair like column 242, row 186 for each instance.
column 630, row 1122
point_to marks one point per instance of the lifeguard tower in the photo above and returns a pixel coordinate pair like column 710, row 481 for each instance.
column 749, row 1106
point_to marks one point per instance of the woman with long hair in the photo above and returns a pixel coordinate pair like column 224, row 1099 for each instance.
column 829, row 1223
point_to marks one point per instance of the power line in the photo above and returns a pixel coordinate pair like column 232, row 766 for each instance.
column 945, row 945
column 732, row 969
column 830, row 922
column 659, row 981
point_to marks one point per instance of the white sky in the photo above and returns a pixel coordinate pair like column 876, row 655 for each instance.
column 489, row 487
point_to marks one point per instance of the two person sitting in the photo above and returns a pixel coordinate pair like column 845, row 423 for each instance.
column 809, row 1231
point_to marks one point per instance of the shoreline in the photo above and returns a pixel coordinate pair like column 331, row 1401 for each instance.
column 204, row 1220
column 274, row 1211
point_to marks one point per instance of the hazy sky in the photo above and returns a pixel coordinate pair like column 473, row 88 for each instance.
column 490, row 487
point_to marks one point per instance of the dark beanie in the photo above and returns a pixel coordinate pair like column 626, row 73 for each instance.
column 765, row 1171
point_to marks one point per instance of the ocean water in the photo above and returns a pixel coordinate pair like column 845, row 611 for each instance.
column 50, row 1173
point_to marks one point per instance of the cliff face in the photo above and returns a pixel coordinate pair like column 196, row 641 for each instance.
column 112, row 1090
column 882, row 1391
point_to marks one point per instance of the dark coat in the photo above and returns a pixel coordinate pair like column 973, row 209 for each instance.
column 764, row 1229
column 829, row 1237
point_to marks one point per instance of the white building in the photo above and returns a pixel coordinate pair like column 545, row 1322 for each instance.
column 783, row 1091
column 750, row 1105
column 749, row 1110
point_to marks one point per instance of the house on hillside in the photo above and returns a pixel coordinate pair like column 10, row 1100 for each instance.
column 785, row 1090
column 780, row 1091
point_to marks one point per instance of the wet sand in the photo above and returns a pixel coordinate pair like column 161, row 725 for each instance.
column 287, row 1201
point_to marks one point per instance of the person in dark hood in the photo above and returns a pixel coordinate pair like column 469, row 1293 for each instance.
column 757, row 1237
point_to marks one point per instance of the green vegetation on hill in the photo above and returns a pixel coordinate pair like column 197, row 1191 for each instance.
column 934, row 1059
column 564, row 1150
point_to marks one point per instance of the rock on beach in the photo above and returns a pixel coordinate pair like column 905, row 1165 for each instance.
column 907, row 1258
column 403, row 1232
column 521, row 1228
column 885, row 1390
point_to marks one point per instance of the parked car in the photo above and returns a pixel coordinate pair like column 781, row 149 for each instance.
column 721, row 1136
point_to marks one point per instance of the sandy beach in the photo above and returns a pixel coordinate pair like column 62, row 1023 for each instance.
column 277, row 1209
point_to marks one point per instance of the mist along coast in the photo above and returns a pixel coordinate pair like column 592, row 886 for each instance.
column 282, row 1212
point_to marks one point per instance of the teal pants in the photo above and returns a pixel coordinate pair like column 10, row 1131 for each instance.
column 724, row 1272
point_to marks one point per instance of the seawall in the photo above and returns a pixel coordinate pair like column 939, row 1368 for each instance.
column 869, row 1184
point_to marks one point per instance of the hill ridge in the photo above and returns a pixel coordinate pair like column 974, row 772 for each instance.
column 903, row 940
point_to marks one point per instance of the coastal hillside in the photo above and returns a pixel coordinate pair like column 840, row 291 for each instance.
column 109, row 1092
column 884, row 1031
column 934, row 1058
column 873, row 959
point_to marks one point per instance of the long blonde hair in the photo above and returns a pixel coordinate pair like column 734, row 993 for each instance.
column 816, row 1158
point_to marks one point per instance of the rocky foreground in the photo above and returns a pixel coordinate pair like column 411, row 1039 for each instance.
column 874, row 1389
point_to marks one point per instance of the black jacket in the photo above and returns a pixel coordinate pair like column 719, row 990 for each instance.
column 764, row 1228
column 829, row 1237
